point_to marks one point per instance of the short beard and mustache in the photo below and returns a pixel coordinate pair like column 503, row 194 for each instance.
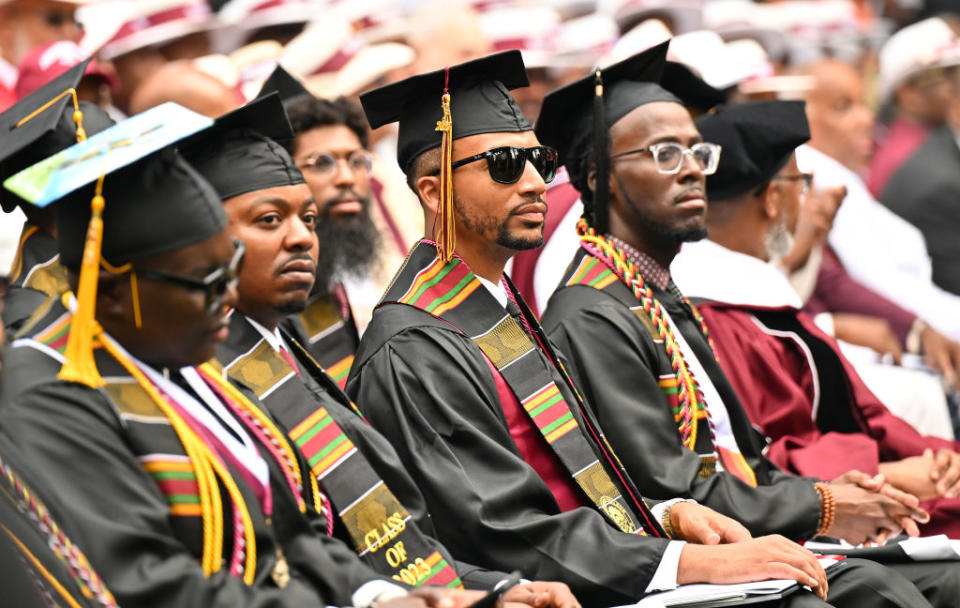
column 347, row 248
column 482, row 225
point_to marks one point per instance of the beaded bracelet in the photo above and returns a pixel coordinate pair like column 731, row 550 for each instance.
column 828, row 508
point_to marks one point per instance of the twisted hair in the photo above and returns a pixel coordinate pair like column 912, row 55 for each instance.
column 580, row 162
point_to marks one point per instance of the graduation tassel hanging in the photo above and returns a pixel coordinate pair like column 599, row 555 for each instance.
column 446, row 237
column 601, row 194
column 79, row 365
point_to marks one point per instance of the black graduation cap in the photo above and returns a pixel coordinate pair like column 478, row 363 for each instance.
column 240, row 153
column 566, row 113
column 758, row 138
column 692, row 90
column 41, row 124
column 480, row 102
column 283, row 82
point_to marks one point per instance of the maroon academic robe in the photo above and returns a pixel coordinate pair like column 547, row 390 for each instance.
column 783, row 367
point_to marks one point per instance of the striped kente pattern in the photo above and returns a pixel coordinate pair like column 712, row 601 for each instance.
column 445, row 284
column 441, row 573
column 175, row 477
column 550, row 412
column 340, row 370
column 322, row 442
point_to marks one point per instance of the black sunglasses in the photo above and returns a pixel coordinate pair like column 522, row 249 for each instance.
column 214, row 285
column 506, row 164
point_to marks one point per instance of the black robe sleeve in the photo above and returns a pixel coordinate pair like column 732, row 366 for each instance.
column 71, row 434
column 611, row 358
column 435, row 400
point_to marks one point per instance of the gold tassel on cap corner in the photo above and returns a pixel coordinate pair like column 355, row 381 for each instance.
column 446, row 238
column 77, row 114
column 79, row 365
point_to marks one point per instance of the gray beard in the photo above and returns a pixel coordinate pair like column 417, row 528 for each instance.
column 779, row 242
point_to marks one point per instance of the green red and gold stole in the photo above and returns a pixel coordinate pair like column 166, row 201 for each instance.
column 382, row 531
column 329, row 333
column 191, row 476
column 451, row 292
column 607, row 268
column 85, row 578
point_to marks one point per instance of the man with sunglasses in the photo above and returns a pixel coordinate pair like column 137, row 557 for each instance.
column 457, row 373
column 768, row 347
column 635, row 345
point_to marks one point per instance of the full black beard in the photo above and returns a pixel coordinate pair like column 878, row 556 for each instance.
column 346, row 248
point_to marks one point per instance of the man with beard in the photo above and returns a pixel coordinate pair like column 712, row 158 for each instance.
column 330, row 147
column 792, row 379
column 635, row 346
column 457, row 373
column 373, row 504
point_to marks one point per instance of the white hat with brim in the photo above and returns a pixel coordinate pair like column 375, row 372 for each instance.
column 323, row 46
column 927, row 44
column 152, row 22
column 368, row 66
column 255, row 14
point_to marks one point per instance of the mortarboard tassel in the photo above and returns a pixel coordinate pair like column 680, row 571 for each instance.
column 79, row 365
column 601, row 194
column 446, row 237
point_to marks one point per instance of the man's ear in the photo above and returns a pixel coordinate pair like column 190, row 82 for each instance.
column 429, row 188
column 771, row 201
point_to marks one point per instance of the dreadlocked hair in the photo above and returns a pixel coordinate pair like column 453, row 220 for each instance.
column 580, row 162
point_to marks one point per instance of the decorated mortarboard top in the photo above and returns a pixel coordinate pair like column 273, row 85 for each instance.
column 758, row 138
column 43, row 123
column 480, row 102
column 436, row 108
column 240, row 153
column 122, row 195
column 566, row 112
column 283, row 82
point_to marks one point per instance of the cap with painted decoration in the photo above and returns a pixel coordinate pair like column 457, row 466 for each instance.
column 758, row 138
column 122, row 195
column 925, row 45
column 153, row 22
column 44, row 123
column 242, row 151
column 45, row 62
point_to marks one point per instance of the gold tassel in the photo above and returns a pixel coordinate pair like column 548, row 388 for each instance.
column 79, row 365
column 446, row 239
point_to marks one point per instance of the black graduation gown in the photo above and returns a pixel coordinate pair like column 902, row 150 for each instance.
column 616, row 363
column 37, row 278
column 429, row 390
column 90, row 447
column 314, row 390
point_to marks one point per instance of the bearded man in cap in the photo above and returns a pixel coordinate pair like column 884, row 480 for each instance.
column 457, row 373
column 793, row 381
column 632, row 341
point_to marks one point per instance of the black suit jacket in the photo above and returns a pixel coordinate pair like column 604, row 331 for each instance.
column 925, row 191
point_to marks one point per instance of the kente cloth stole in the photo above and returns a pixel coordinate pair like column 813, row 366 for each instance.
column 331, row 337
column 596, row 272
column 382, row 531
column 451, row 292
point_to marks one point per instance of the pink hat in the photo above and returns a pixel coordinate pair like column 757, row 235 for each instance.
column 45, row 62
column 153, row 22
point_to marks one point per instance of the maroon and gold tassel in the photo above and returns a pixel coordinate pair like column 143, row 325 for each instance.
column 446, row 235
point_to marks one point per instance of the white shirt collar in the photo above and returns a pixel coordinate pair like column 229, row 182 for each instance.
column 706, row 269
column 495, row 290
column 273, row 338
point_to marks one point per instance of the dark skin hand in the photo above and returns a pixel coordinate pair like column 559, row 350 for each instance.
column 931, row 475
column 872, row 332
column 696, row 523
column 536, row 594
column 942, row 354
column 813, row 224
column 871, row 510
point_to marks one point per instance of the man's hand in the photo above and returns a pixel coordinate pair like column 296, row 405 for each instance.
column 757, row 559
column 862, row 514
column 872, row 332
column 696, row 523
column 942, row 354
column 929, row 476
column 541, row 594
column 813, row 224
column 434, row 597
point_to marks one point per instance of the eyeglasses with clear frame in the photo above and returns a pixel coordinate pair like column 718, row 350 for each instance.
column 215, row 285
column 359, row 161
column 668, row 156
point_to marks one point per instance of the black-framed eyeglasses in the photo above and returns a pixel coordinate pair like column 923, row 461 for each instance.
column 359, row 161
column 805, row 178
column 668, row 156
column 215, row 285
column 506, row 164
